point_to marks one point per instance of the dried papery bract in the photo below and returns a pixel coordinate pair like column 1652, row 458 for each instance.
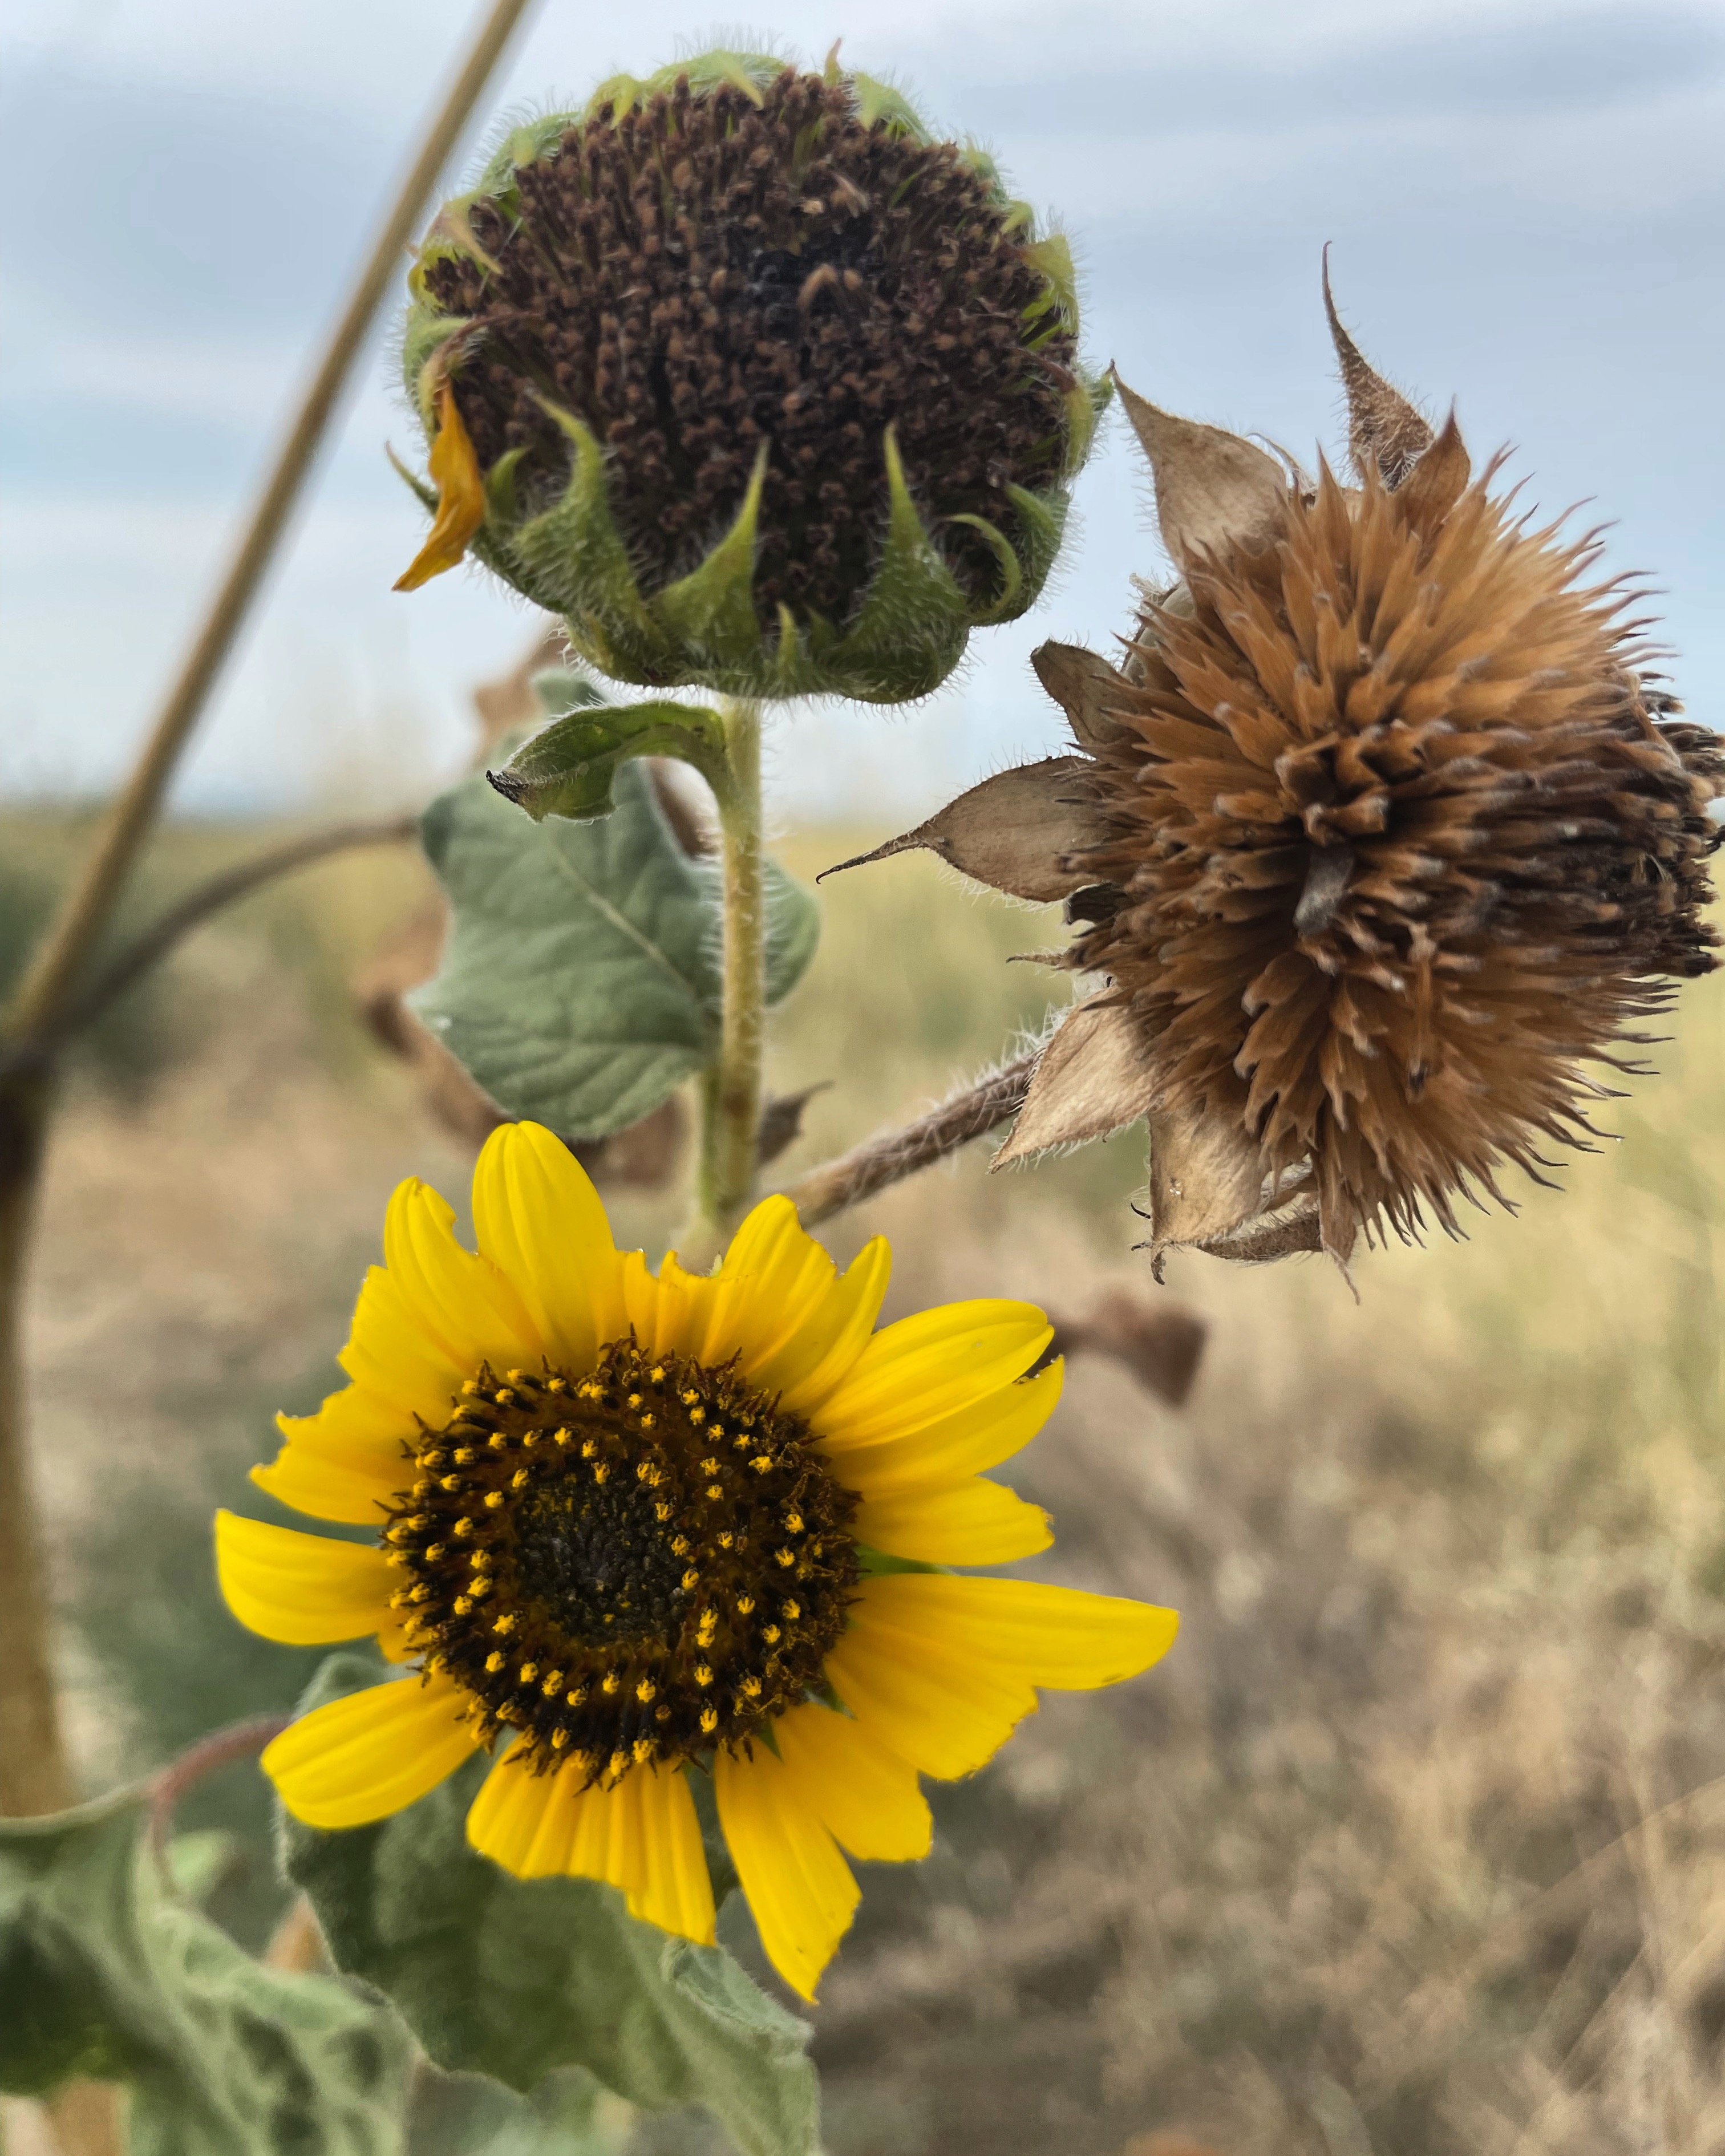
column 1395, row 844
column 752, row 380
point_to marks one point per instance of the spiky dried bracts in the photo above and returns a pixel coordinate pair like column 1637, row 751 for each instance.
column 1383, row 845
column 761, row 386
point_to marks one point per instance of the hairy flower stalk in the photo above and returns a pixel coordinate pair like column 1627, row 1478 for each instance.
column 1380, row 836
column 752, row 381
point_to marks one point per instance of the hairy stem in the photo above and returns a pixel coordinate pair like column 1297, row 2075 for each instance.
column 730, row 1098
column 993, row 1099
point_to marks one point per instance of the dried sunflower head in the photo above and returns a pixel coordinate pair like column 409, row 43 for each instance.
column 705, row 366
column 1380, row 836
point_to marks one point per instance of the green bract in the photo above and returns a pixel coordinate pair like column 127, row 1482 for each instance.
column 752, row 381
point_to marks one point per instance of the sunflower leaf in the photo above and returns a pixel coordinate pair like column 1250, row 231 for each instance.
column 580, row 984
column 518, row 1978
column 107, row 1972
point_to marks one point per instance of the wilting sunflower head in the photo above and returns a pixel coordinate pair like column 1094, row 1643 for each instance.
column 1379, row 838
column 752, row 380
column 634, row 1529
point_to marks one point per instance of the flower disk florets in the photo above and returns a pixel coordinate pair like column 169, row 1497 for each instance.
column 635, row 1566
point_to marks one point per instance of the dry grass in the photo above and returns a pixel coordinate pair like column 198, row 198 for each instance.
column 1416, row 1842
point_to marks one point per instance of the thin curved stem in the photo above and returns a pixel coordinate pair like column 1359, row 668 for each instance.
column 201, row 904
column 730, row 1096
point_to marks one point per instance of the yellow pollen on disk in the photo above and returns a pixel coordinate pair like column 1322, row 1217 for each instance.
column 472, row 1387
column 725, row 1541
column 530, row 1438
column 714, row 1492
column 493, row 1498
column 612, row 1682
column 634, row 1399
column 761, row 1463
column 745, row 1603
column 505, row 1623
column 563, row 1436
column 709, row 1720
column 422, row 1489
column 793, row 1523
column 752, row 1686
column 451, row 1483
column 435, row 1551
column 504, row 1397
column 619, row 1762
column 645, row 1690
column 709, row 1466
column 464, row 1456
column 647, row 1421
column 786, row 1556
column 681, row 1545
column 462, row 1526
column 559, row 1738
column 529, row 1671
column 556, row 1384
column 479, row 1559
column 656, row 1374
column 661, row 1513
column 587, row 1448
column 600, row 1471
column 495, row 1661
column 691, row 1578
column 770, row 1634
column 516, row 1377
column 643, row 1750
column 553, row 1683
column 497, row 1440
column 397, row 1557
column 791, row 1612
column 697, row 1415
column 703, row 1675
column 463, row 1605
column 521, row 1478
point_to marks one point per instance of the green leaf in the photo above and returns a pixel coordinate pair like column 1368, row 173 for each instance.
column 105, row 1971
column 580, row 984
column 568, row 2114
column 517, row 1978
column 570, row 769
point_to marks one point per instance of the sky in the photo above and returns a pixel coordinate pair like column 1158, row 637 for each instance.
column 1526, row 205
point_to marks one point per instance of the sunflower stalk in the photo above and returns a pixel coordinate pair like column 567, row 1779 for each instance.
column 731, row 1094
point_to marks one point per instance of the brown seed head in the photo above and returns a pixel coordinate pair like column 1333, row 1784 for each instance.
column 1399, row 839
column 724, row 266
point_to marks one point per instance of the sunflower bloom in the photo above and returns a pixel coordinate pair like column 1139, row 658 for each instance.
column 634, row 1527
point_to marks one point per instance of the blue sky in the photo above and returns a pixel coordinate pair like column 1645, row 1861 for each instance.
column 1527, row 207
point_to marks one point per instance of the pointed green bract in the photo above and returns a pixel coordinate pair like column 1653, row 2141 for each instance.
column 713, row 610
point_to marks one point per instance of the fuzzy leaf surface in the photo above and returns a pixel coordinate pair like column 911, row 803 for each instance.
column 517, row 1979
column 571, row 769
column 106, row 1972
column 580, row 984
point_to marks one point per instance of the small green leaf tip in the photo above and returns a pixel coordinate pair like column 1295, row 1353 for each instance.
column 770, row 390
column 570, row 769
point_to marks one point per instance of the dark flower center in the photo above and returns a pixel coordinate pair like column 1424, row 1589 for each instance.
column 700, row 275
column 638, row 1565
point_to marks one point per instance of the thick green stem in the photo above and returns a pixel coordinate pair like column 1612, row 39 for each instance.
column 730, row 1098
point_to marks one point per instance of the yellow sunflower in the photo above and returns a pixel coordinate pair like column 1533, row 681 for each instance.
column 634, row 1527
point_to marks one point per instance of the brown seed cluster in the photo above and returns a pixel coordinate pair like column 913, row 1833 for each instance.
column 1400, row 839
column 698, row 275
column 638, row 1565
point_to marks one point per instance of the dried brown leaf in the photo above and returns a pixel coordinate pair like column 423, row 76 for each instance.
column 1385, row 433
column 1012, row 833
column 1093, row 1077
column 1213, row 490
column 1084, row 687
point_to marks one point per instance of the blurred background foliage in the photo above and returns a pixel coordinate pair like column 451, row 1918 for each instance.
column 1414, row 1844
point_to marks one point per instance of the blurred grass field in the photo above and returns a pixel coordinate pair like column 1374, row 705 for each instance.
column 1415, row 1843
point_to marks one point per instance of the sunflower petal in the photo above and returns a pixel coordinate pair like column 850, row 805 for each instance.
column 973, row 1522
column 374, row 1753
column 462, row 1302
column 780, row 1306
column 1060, row 1637
column 537, row 1217
column 320, row 1470
column 518, row 1816
column 304, row 1590
column 678, row 1895
column 947, row 1713
column 392, row 1357
column 931, row 1366
column 668, row 1312
column 864, row 1794
column 799, row 1888
column 965, row 1443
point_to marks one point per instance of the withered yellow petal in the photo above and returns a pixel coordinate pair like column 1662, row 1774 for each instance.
column 461, row 496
